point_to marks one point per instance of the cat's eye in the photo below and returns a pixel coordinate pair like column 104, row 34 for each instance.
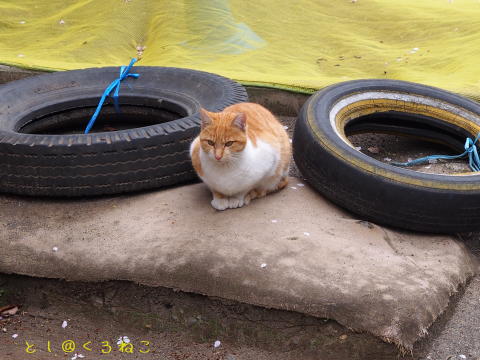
column 229, row 143
column 210, row 142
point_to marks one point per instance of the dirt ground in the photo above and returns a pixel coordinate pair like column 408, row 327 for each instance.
column 177, row 325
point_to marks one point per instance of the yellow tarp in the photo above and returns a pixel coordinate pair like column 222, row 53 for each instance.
column 294, row 44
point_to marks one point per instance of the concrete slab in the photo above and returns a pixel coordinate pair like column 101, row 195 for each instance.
column 318, row 259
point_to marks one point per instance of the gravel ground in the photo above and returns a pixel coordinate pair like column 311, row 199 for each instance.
column 457, row 334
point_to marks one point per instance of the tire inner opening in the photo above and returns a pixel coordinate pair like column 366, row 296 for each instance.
column 72, row 117
column 397, row 136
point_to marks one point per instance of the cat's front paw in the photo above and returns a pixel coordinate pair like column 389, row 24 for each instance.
column 234, row 203
column 220, row 203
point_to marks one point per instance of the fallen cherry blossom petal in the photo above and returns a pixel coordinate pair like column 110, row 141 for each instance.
column 123, row 339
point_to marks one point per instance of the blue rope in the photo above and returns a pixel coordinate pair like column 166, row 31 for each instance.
column 470, row 150
column 124, row 73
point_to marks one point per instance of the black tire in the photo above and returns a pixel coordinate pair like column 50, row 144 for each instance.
column 377, row 191
column 165, row 101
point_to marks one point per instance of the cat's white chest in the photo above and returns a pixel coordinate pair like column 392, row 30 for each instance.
column 255, row 164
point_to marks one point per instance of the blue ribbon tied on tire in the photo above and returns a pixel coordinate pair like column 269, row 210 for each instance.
column 124, row 73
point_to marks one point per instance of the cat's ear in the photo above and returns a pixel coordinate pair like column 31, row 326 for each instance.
column 205, row 117
column 240, row 121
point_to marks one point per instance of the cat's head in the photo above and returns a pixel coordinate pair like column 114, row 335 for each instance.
column 224, row 135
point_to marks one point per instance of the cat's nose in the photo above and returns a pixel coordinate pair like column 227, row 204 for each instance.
column 218, row 154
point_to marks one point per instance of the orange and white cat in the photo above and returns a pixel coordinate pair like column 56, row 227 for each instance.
column 242, row 153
